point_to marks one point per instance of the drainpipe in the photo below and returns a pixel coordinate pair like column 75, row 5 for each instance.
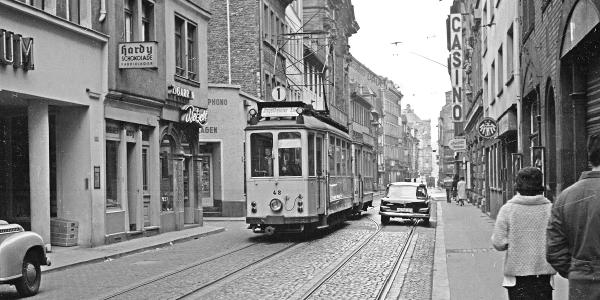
column 102, row 11
column 228, row 44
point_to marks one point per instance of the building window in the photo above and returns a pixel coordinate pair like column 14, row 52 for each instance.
column 35, row 3
column 147, row 21
column 509, row 53
column 186, row 61
column 493, row 83
column 500, row 70
column 528, row 17
column 166, row 174
column 112, row 160
column 145, row 169
column 128, row 20
column 68, row 9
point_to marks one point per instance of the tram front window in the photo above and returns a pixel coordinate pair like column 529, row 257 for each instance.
column 261, row 152
column 290, row 154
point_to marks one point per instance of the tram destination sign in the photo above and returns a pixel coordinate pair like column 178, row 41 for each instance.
column 269, row 112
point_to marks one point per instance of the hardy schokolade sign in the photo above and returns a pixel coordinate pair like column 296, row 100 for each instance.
column 16, row 50
column 137, row 55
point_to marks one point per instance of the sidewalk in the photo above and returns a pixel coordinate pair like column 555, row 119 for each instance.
column 66, row 257
column 466, row 266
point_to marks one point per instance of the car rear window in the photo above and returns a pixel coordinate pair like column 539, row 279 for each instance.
column 395, row 191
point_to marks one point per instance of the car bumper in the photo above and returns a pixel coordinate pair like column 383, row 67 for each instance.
column 394, row 214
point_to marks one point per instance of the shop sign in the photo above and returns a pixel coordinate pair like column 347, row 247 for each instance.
column 138, row 55
column 487, row 128
column 181, row 92
column 459, row 144
column 357, row 136
column 456, row 66
column 16, row 50
column 217, row 102
column 193, row 115
column 268, row 112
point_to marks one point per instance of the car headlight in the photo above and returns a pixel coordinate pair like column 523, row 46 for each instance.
column 276, row 205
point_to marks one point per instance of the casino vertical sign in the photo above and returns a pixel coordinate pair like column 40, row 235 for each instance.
column 456, row 66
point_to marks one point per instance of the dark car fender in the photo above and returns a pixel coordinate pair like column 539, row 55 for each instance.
column 13, row 251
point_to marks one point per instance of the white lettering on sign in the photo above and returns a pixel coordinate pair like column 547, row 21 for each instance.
column 194, row 114
column 278, row 112
column 456, row 66
column 16, row 50
column 137, row 55
column 459, row 144
column 181, row 92
column 209, row 129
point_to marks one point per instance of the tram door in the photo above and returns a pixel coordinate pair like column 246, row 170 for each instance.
column 321, row 179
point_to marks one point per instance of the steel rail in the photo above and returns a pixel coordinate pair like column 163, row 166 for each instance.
column 389, row 280
column 214, row 281
column 175, row 272
column 341, row 264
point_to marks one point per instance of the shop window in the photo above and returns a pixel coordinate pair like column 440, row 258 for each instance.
column 145, row 169
column 290, row 154
column 261, row 154
column 112, row 161
column 166, row 174
column 311, row 154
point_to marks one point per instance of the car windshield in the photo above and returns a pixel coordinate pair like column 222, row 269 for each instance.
column 406, row 191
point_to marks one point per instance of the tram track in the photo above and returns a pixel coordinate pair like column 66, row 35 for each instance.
column 130, row 290
column 389, row 280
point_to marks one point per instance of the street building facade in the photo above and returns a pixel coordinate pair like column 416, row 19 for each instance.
column 394, row 136
column 423, row 135
column 51, row 109
column 445, row 130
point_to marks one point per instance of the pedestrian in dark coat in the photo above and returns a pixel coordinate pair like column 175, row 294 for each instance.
column 520, row 231
column 573, row 237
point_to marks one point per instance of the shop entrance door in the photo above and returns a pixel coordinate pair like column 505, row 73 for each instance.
column 188, row 203
column 206, row 179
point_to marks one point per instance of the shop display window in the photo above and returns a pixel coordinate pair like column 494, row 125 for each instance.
column 112, row 150
column 166, row 174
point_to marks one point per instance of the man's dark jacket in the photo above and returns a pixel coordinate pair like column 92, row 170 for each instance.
column 573, row 233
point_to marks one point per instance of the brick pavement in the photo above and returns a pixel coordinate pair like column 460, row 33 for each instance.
column 466, row 266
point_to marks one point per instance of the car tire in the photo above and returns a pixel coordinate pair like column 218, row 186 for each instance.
column 385, row 220
column 31, row 276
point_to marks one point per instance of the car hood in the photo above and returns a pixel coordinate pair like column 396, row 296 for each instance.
column 403, row 200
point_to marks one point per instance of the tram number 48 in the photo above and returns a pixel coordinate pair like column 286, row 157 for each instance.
column 276, row 192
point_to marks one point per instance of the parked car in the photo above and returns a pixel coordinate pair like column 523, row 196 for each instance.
column 408, row 200
column 21, row 255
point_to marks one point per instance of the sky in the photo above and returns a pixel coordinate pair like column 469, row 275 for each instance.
column 420, row 26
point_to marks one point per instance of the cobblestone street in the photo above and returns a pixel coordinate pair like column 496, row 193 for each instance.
column 277, row 267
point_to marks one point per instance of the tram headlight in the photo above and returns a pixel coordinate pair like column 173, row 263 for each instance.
column 276, row 205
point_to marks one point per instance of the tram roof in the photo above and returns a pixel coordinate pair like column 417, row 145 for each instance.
column 310, row 122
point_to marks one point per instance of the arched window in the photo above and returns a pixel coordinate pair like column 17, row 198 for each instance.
column 583, row 19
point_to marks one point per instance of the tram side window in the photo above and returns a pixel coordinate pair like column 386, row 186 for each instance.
column 261, row 153
column 290, row 154
column 338, row 157
column 331, row 155
column 311, row 154
column 320, row 156
column 344, row 160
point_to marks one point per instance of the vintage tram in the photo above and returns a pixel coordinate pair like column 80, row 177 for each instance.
column 299, row 170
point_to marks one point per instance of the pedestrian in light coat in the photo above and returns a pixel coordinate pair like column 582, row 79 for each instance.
column 520, row 231
column 573, row 237
column 461, row 187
